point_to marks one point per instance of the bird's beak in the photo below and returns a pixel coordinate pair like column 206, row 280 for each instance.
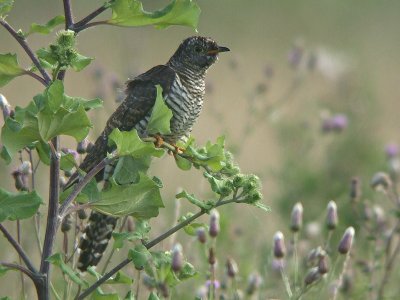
column 218, row 50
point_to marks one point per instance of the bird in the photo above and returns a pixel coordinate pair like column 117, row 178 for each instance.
column 182, row 80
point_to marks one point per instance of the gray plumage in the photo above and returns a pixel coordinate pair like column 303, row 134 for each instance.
column 182, row 79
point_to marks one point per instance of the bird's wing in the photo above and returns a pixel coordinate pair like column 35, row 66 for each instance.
column 140, row 98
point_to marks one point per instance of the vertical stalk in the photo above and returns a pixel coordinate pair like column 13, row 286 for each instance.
column 52, row 215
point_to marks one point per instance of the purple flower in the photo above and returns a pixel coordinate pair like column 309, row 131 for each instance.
column 391, row 150
column 217, row 284
column 339, row 122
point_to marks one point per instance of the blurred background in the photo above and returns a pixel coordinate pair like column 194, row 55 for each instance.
column 308, row 98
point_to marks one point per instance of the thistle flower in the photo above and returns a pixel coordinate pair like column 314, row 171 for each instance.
column 296, row 217
column 314, row 255
column 279, row 245
column 253, row 283
column 214, row 223
column 312, row 276
column 381, row 181
column 391, row 150
column 177, row 258
column 331, row 215
column 323, row 266
column 211, row 256
column 201, row 235
column 346, row 241
column 231, row 268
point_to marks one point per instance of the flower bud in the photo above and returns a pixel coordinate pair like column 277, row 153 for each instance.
column 391, row 150
column 279, row 245
column 331, row 215
column 82, row 146
column 214, row 223
column 82, row 214
column 211, row 256
column 323, row 266
column 164, row 290
column 355, row 189
column 71, row 151
column 253, row 283
column 312, row 276
column 381, row 181
column 296, row 217
column 5, row 107
column 346, row 241
column 201, row 235
column 314, row 255
column 231, row 268
column 66, row 224
column 20, row 181
column 177, row 258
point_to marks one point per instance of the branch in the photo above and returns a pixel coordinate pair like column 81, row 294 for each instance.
column 81, row 184
column 154, row 242
column 90, row 17
column 21, row 40
column 36, row 76
column 69, row 23
column 19, row 249
column 88, row 25
column 24, row 270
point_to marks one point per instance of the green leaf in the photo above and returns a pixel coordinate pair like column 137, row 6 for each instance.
column 5, row 6
column 3, row 270
column 129, row 296
column 153, row 296
column 67, row 162
column 128, row 169
column 182, row 163
column 191, row 229
column 262, row 206
column 141, row 200
column 48, row 27
column 192, row 199
column 80, row 62
column 139, row 256
column 57, row 260
column 90, row 193
column 9, row 67
column 120, row 278
column 4, row 154
column 142, row 228
column 129, row 143
column 18, row 206
column 74, row 102
column 178, row 12
column 161, row 115
column 44, row 152
column 46, row 58
column 99, row 295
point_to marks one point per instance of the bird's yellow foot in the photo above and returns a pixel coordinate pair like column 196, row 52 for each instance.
column 159, row 141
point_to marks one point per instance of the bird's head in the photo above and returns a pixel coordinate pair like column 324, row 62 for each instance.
column 197, row 53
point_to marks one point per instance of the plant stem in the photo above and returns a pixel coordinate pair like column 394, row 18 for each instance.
column 90, row 17
column 21, row 40
column 69, row 23
column 88, row 25
column 23, row 270
column 20, row 260
column 18, row 248
column 52, row 215
column 36, row 76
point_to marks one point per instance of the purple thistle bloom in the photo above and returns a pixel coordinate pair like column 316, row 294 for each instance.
column 391, row 150
column 339, row 122
column 217, row 284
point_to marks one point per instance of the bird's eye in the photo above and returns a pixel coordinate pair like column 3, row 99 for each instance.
column 197, row 49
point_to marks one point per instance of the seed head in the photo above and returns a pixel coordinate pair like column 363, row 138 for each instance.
column 346, row 241
column 296, row 217
column 279, row 245
column 331, row 215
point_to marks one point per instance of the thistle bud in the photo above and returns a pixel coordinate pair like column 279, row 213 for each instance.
column 323, row 266
column 214, row 223
column 5, row 107
column 82, row 214
column 211, row 256
column 331, row 216
column 279, row 245
column 296, row 217
column 379, row 215
column 355, row 189
column 82, row 146
column 201, row 235
column 231, row 268
column 20, row 180
column 253, row 283
column 312, row 276
column 177, row 258
column 391, row 150
column 381, row 181
column 314, row 255
column 66, row 224
column 346, row 241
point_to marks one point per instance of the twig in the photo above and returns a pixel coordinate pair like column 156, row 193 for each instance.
column 20, row 259
column 69, row 23
column 88, row 25
column 52, row 215
column 18, row 248
column 90, row 17
column 28, row 50
column 36, row 76
column 23, row 270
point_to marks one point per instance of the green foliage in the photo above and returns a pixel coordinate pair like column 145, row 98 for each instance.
column 18, row 206
column 192, row 199
column 46, row 28
column 141, row 200
column 161, row 115
column 139, row 256
column 9, row 68
column 131, row 13
column 5, row 7
column 57, row 260
column 142, row 228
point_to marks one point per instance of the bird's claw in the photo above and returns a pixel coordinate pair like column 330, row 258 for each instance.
column 159, row 141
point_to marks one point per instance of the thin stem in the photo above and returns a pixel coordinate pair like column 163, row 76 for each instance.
column 23, row 270
column 340, row 280
column 18, row 248
column 286, row 282
column 36, row 76
column 138, row 285
column 20, row 260
column 52, row 215
column 88, row 25
column 296, row 259
column 91, row 16
column 21, row 40
column 69, row 23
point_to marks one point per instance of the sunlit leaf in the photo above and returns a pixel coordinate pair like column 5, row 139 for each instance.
column 262, row 206
column 5, row 6
column 139, row 256
column 182, row 163
column 120, row 278
column 128, row 169
column 178, row 12
column 100, row 295
column 153, row 296
column 48, row 27
column 161, row 116
column 141, row 200
column 9, row 68
column 192, row 199
column 142, row 228
column 80, row 62
column 58, row 260
column 18, row 206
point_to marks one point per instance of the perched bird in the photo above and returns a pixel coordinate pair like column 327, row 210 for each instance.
column 182, row 80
